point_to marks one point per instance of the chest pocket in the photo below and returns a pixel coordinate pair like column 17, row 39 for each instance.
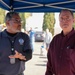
column 70, row 48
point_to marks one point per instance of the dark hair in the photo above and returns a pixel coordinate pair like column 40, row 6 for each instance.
column 67, row 10
column 9, row 15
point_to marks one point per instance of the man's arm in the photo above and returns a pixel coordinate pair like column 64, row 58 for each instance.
column 27, row 50
column 28, row 54
column 49, row 66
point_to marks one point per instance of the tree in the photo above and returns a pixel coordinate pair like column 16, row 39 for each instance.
column 74, row 22
column 23, row 20
column 27, row 15
column 49, row 22
column 2, row 15
column 24, row 16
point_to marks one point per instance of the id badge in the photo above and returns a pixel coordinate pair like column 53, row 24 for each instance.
column 12, row 60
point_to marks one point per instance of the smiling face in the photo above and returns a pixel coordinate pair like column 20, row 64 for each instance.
column 14, row 24
column 66, row 21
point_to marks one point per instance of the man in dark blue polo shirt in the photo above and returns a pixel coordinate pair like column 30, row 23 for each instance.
column 15, row 47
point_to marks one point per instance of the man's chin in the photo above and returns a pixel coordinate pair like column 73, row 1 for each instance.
column 18, row 30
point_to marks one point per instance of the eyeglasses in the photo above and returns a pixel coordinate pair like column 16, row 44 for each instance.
column 17, row 20
column 66, row 19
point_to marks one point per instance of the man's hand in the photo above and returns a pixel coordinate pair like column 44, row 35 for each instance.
column 18, row 55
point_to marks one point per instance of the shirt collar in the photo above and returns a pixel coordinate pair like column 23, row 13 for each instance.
column 6, row 35
column 69, row 34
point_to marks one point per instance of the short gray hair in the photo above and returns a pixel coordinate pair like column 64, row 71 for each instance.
column 67, row 10
column 9, row 15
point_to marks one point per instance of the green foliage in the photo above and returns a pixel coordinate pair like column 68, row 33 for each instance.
column 49, row 22
column 27, row 15
column 74, row 22
column 22, row 15
column 2, row 16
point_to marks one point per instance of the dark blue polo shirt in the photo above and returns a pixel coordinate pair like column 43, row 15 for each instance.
column 21, row 44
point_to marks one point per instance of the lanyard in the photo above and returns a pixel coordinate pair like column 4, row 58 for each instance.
column 12, row 46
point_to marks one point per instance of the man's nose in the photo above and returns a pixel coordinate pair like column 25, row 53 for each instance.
column 65, row 20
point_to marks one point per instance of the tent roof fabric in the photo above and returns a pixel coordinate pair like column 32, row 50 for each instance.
column 37, row 5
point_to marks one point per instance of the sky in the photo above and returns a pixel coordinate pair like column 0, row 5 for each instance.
column 35, row 21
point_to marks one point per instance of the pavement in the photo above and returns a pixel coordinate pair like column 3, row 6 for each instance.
column 37, row 65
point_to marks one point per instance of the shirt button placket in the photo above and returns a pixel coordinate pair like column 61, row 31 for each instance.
column 60, row 53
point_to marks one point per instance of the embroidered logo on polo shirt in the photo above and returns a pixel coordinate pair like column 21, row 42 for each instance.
column 21, row 41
